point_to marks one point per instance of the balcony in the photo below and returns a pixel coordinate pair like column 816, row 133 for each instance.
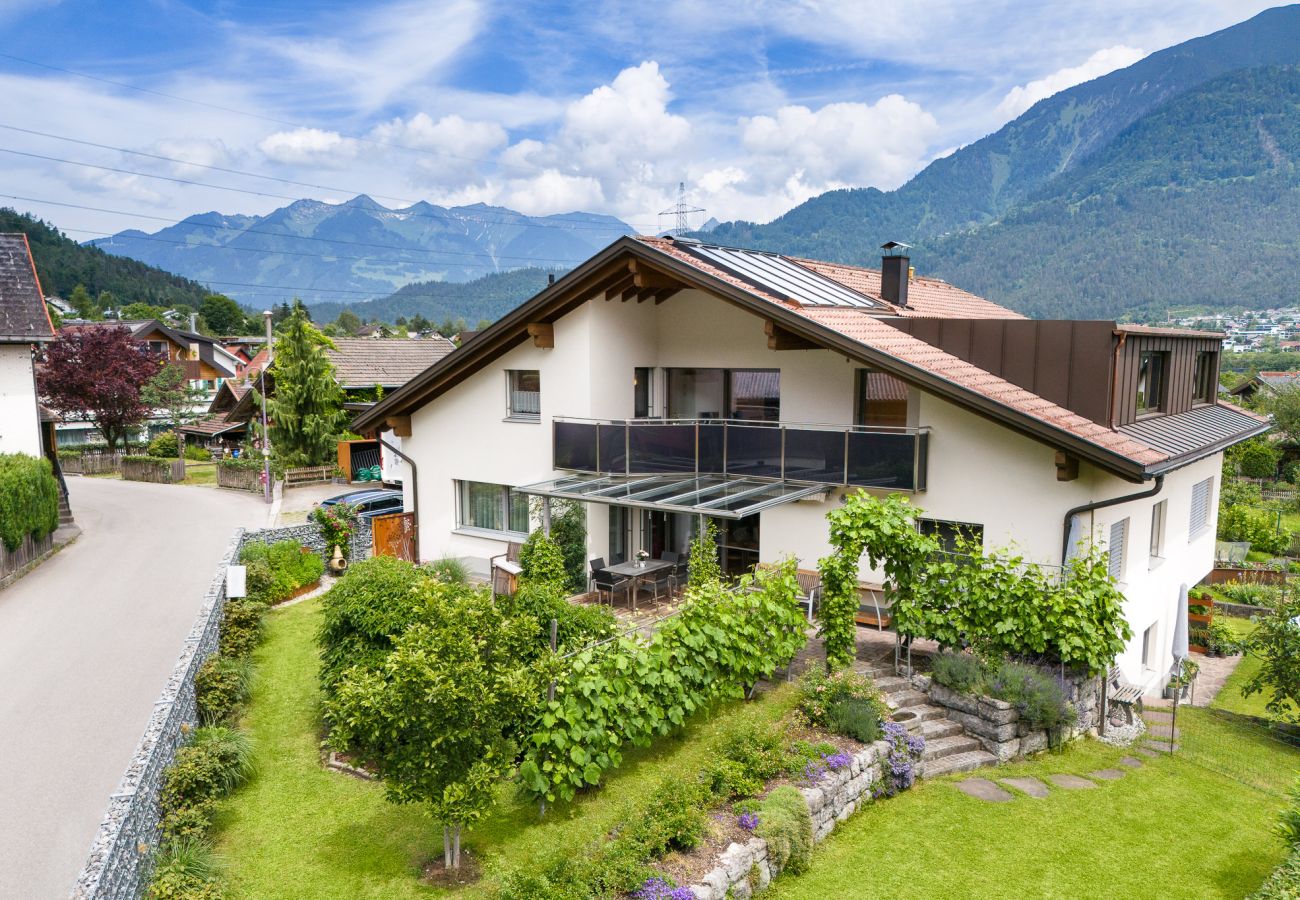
column 883, row 458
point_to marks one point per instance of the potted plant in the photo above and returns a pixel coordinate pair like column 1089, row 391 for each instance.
column 1200, row 608
column 641, row 557
column 1181, row 680
column 1198, row 639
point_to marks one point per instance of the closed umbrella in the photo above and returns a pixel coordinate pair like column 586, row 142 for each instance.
column 1072, row 542
column 1180, row 629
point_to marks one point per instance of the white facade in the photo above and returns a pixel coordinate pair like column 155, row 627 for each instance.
column 978, row 471
column 20, row 425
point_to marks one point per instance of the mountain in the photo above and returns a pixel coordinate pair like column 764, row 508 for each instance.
column 1004, row 175
column 62, row 264
column 489, row 297
column 343, row 252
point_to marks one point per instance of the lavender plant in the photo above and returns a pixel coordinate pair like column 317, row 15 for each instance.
column 748, row 821
column 905, row 752
column 658, row 889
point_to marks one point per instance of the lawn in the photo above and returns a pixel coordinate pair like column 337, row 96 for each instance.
column 300, row 830
column 1229, row 698
column 200, row 472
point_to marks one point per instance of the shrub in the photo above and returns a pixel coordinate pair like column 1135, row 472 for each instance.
column 657, row 889
column 365, row 611
column 29, row 498
column 187, row 822
column 703, row 567
column 1257, row 458
column 448, row 569
column 1250, row 593
column 1256, row 526
column 1284, row 883
column 1040, row 699
column 1288, row 823
column 785, row 823
column 241, row 627
column 843, row 702
column 185, row 870
column 905, row 751
column 337, row 524
column 277, row 571
column 220, row 686
column 210, row 766
column 164, row 445
column 197, row 454
column 855, row 718
column 961, row 672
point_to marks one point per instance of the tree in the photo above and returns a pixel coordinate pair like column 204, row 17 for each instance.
column 223, row 315
column 348, row 322
column 440, row 719
column 1285, row 407
column 172, row 392
column 141, row 311
column 306, row 412
column 420, row 324
column 1258, row 458
column 1275, row 642
column 98, row 374
column 85, row 305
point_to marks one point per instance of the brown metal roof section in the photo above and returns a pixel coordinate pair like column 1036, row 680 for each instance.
column 1130, row 328
column 1189, row 436
column 23, row 316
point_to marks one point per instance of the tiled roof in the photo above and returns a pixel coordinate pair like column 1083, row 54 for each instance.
column 1279, row 379
column 878, row 335
column 364, row 363
column 212, row 425
column 23, row 317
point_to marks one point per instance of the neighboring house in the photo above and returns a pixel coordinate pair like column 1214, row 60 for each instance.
column 206, row 362
column 226, row 424
column 666, row 380
column 1265, row 383
column 24, row 327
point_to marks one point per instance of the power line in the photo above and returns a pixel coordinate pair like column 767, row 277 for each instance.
column 681, row 210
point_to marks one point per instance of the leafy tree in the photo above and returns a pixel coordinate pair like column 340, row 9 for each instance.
column 142, row 311
column 400, row 321
column 84, row 304
column 1258, row 458
column 171, row 391
column 348, row 322
column 703, row 568
column 440, row 719
column 307, row 410
column 1284, row 404
column 1275, row 642
column 98, row 374
column 419, row 324
column 223, row 315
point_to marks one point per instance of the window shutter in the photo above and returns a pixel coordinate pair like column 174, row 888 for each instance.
column 1200, row 506
column 1116, row 547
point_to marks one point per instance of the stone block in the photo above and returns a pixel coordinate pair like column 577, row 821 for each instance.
column 1033, row 742
column 741, row 890
column 983, row 727
column 1003, row 750
column 848, row 810
column 757, row 848
column 822, row 831
column 953, row 700
column 717, row 882
column 701, row 892
column 921, row 682
column 764, row 872
column 999, row 712
column 736, row 860
column 814, row 798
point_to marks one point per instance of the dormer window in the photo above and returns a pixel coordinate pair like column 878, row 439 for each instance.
column 1206, row 386
column 1150, row 383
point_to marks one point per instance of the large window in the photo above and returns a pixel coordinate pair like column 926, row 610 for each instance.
column 951, row 535
column 1151, row 382
column 1200, row 517
column 881, row 400
column 1118, row 537
column 491, row 507
column 752, row 395
column 1207, row 386
column 525, row 389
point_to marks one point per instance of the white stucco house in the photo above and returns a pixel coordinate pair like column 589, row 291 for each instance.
column 666, row 379
column 24, row 327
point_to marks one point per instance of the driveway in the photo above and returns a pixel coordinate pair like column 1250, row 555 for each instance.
column 87, row 641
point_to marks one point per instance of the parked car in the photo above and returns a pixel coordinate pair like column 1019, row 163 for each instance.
column 353, row 497
column 380, row 503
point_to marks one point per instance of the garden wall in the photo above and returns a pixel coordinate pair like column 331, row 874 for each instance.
column 745, row 868
column 309, row 535
column 996, row 723
column 118, row 866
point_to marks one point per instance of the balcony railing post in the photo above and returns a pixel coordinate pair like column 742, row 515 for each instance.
column 847, row 432
column 627, row 448
column 782, row 427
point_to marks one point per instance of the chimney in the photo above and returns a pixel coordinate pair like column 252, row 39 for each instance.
column 894, row 272
column 194, row 323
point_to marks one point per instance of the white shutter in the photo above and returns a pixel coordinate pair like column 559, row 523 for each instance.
column 1200, row 506
column 1118, row 532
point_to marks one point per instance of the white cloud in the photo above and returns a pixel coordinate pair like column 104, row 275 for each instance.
column 1021, row 97
column 452, row 149
column 308, row 147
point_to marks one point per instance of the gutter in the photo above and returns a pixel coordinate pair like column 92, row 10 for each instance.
column 1102, row 504
column 415, row 492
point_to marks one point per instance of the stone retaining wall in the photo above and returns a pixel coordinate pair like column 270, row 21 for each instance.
column 309, row 535
column 996, row 723
column 745, row 868
column 1240, row 610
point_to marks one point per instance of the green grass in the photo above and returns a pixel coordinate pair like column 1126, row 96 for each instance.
column 1168, row 830
column 1229, row 698
column 200, row 472
column 300, row 830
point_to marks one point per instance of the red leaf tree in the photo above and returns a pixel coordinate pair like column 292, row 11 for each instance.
column 97, row 374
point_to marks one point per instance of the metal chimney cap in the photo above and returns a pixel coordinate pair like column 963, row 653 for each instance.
column 891, row 246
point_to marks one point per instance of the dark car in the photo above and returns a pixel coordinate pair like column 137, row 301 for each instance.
column 352, row 497
column 380, row 503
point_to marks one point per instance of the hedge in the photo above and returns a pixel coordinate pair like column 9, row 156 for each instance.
column 29, row 499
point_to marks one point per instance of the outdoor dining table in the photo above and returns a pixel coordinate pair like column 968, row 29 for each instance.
column 639, row 571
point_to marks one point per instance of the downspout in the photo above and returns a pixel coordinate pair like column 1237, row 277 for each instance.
column 1101, row 504
column 415, row 490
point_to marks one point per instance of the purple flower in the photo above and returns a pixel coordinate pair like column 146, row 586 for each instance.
column 814, row 771
column 837, row 761
column 658, row 889
column 748, row 821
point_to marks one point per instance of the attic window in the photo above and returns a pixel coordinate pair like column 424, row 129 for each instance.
column 1151, row 382
column 1206, row 386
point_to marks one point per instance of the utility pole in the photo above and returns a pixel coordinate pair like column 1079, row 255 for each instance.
column 680, row 211
column 266, row 432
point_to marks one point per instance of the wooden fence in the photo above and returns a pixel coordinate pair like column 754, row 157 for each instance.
column 1222, row 574
column 13, row 562
column 157, row 471
column 96, row 463
column 394, row 535
column 241, row 478
column 307, row 475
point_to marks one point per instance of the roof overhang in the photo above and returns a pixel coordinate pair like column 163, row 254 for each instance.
column 718, row 496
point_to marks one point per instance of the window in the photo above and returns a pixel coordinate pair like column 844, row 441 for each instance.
column 491, row 507
column 1149, row 648
column 1151, row 382
column 951, row 535
column 1158, row 530
column 752, row 395
column 1200, row 518
column 525, row 389
column 1207, row 385
column 1118, row 533
column 881, row 400
column 642, row 392
column 159, row 347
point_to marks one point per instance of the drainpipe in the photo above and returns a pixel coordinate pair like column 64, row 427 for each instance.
column 1101, row 504
column 415, row 492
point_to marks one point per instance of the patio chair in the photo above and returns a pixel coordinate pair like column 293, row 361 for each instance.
column 676, row 560
column 875, row 608
column 1122, row 694
column 810, row 586
column 661, row 580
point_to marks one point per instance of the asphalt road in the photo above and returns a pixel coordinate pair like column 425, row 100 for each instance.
column 87, row 641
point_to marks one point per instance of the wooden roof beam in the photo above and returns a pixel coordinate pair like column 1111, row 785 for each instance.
column 543, row 335
column 619, row 287
column 780, row 339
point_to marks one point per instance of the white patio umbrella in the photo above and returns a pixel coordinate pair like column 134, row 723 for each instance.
column 1076, row 535
column 1180, row 630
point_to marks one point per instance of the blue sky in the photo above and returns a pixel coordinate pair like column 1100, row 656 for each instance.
column 542, row 107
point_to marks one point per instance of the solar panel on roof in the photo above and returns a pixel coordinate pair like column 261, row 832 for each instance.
column 783, row 277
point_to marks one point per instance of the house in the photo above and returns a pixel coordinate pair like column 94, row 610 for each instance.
column 664, row 380
column 24, row 327
column 1266, row 383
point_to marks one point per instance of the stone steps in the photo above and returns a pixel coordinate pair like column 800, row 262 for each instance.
column 950, row 746
column 958, row 762
column 933, row 729
column 912, row 715
column 907, row 698
column 888, row 684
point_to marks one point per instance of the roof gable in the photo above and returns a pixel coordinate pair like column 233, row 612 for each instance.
column 23, row 316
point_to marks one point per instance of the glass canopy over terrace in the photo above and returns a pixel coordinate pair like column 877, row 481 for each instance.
column 711, row 495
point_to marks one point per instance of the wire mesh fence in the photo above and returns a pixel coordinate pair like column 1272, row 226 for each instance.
column 1259, row 754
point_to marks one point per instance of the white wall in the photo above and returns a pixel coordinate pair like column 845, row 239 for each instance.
column 979, row 471
column 20, row 427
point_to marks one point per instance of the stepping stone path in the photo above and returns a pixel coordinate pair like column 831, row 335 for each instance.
column 1071, row 782
column 1031, row 786
column 1131, row 762
column 1146, row 751
column 983, row 789
column 1107, row 774
column 1162, row 747
column 1158, row 716
column 1162, row 731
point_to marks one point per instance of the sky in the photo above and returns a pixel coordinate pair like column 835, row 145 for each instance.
column 137, row 114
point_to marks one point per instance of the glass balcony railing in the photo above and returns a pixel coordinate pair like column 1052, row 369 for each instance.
column 889, row 458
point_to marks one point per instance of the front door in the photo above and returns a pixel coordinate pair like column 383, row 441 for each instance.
column 738, row 545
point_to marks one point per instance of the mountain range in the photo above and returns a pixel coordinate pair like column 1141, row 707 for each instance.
column 350, row 251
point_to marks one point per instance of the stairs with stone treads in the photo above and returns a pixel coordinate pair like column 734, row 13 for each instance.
column 947, row 746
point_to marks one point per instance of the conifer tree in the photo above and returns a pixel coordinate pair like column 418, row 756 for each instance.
column 306, row 412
